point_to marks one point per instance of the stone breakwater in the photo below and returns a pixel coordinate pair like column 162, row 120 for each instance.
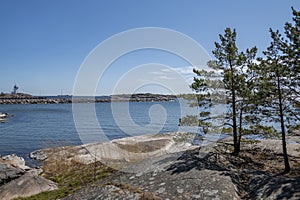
column 28, row 99
column 34, row 101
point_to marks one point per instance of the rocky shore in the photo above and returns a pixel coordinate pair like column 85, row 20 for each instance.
column 169, row 166
column 28, row 99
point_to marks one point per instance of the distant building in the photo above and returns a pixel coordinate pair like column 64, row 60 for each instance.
column 15, row 89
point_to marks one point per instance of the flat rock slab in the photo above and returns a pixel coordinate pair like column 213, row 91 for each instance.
column 193, row 184
column 171, row 176
column 120, row 151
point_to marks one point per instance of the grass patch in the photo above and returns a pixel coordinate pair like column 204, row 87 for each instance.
column 70, row 178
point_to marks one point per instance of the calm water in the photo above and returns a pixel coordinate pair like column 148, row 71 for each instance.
column 34, row 127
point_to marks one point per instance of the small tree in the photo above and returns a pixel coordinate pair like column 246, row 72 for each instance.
column 246, row 93
column 279, row 80
column 234, row 65
column 273, row 81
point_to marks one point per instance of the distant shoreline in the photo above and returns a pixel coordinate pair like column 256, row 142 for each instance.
column 64, row 99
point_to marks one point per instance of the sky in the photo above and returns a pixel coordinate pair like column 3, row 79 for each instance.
column 44, row 43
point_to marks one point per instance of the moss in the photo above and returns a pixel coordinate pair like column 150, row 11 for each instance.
column 248, row 141
column 226, row 130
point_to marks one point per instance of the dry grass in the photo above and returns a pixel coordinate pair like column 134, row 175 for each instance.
column 69, row 175
column 149, row 196
column 72, row 179
column 144, row 147
column 256, row 156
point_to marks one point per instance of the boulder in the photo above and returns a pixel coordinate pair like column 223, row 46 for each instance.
column 11, row 167
column 19, row 180
column 26, row 185
column 9, row 172
column 16, row 161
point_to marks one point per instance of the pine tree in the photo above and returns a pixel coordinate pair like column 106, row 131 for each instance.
column 279, row 80
column 234, row 65
column 245, row 93
column 290, row 48
column 291, row 45
column 230, row 82
column 273, row 80
column 210, row 92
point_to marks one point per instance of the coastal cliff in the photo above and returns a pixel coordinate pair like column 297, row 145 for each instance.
column 169, row 166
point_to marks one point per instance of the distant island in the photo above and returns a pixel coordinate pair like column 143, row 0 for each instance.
column 21, row 98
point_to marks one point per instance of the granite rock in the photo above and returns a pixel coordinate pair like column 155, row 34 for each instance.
column 19, row 180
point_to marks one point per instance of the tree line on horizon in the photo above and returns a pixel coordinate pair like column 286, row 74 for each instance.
column 259, row 92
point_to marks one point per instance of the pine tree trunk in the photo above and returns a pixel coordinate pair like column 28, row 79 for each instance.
column 234, row 128
column 240, row 131
column 287, row 167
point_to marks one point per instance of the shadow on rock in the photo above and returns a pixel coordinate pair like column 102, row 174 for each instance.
column 274, row 187
column 192, row 160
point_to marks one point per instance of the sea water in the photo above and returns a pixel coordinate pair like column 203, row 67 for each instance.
column 35, row 126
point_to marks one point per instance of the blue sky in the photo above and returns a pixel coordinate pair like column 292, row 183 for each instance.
column 43, row 43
